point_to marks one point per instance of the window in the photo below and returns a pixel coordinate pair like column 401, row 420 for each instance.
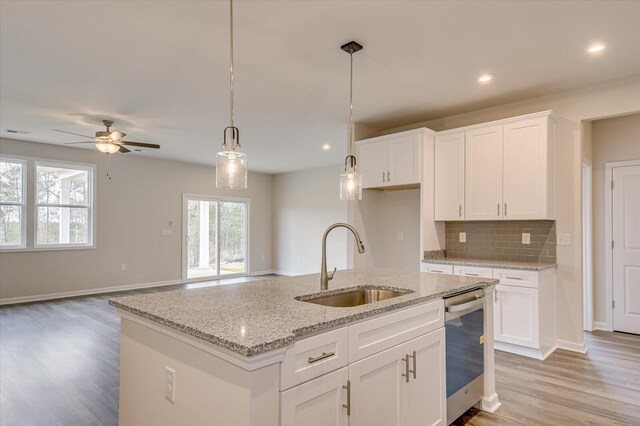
column 216, row 237
column 13, row 181
column 63, row 207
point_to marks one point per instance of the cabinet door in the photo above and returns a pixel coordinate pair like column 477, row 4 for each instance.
column 403, row 160
column 376, row 386
column 516, row 315
column 317, row 402
column 424, row 399
column 449, row 177
column 372, row 163
column 483, row 173
column 525, row 169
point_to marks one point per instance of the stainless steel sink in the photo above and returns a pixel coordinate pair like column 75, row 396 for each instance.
column 356, row 297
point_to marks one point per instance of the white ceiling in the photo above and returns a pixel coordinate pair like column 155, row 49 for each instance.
column 159, row 68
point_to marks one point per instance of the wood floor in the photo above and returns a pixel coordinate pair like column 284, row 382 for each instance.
column 59, row 366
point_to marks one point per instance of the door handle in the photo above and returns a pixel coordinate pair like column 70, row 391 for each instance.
column 324, row 355
column 414, row 364
column 464, row 306
column 407, row 371
column 348, row 404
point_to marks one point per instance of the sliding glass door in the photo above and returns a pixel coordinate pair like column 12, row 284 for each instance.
column 215, row 237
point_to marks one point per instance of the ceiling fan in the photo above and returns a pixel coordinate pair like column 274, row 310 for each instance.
column 110, row 141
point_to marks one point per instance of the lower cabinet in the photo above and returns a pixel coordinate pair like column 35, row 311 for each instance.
column 516, row 315
column 403, row 385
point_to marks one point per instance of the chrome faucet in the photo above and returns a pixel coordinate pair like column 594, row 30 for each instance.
column 325, row 277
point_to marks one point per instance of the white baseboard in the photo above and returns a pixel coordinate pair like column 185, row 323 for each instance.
column 490, row 404
column 287, row 273
column 61, row 295
column 571, row 346
column 265, row 272
column 523, row 350
column 597, row 325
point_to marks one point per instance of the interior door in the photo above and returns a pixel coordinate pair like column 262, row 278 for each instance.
column 449, row 177
column 372, row 163
column 316, row 403
column 376, row 389
column 483, row 173
column 626, row 249
column 525, row 169
column 403, row 163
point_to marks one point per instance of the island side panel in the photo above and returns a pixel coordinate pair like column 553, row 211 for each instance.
column 208, row 389
column 489, row 400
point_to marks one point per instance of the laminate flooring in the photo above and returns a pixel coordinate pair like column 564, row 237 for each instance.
column 59, row 365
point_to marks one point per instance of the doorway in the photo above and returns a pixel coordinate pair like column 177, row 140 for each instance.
column 623, row 226
column 215, row 237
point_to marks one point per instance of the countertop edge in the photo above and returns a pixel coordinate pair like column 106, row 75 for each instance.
column 249, row 351
column 490, row 264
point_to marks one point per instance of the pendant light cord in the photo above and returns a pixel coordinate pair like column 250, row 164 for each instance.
column 231, row 62
column 350, row 138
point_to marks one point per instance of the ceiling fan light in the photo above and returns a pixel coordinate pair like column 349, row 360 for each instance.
column 231, row 170
column 107, row 147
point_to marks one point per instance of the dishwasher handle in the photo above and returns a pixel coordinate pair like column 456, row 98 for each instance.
column 479, row 302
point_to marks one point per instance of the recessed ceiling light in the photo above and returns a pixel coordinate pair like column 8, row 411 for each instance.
column 485, row 78
column 326, row 147
column 598, row 47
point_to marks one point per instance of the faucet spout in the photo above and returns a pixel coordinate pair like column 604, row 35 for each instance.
column 325, row 277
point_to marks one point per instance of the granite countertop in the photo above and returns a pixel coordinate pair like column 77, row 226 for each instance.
column 252, row 318
column 504, row 264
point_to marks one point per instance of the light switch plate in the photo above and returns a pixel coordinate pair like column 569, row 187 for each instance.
column 400, row 236
column 170, row 384
column 564, row 239
column 526, row 238
column 463, row 237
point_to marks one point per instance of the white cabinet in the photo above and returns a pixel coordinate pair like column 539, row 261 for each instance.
column 449, row 176
column 390, row 160
column 499, row 171
column 483, row 173
column 404, row 385
column 516, row 315
column 435, row 268
column 472, row 271
column 316, row 403
column 528, row 169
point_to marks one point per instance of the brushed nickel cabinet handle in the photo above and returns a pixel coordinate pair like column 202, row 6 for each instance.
column 514, row 278
column 505, row 209
column 407, row 371
column 459, row 210
column 348, row 404
column 439, row 271
column 414, row 364
column 471, row 274
column 383, row 177
column 388, row 176
column 324, row 355
column 498, row 209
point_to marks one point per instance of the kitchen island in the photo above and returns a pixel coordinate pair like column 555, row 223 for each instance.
column 253, row 354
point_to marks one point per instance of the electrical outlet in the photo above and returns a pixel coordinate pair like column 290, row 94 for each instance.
column 526, row 238
column 400, row 236
column 170, row 384
column 123, row 267
column 463, row 237
column 564, row 239
column 166, row 232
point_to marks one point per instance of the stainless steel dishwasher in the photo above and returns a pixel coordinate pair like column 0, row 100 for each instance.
column 464, row 316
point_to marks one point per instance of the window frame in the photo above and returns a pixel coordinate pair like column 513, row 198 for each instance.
column 30, row 200
column 90, row 169
column 23, row 205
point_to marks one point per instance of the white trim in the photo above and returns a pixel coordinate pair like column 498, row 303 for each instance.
column 598, row 325
column 608, row 234
column 24, row 200
column 419, row 130
column 75, row 293
column 587, row 245
column 247, row 363
column 524, row 351
column 288, row 273
column 489, row 404
column 548, row 113
column 571, row 346
column 265, row 272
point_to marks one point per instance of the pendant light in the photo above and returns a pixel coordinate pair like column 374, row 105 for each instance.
column 231, row 164
column 350, row 180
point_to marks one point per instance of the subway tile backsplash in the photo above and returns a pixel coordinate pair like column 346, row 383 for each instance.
column 502, row 240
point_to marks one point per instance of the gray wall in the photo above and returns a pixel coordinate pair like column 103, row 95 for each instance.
column 305, row 203
column 132, row 209
column 613, row 139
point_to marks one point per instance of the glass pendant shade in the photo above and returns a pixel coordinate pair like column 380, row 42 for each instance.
column 107, row 147
column 351, row 186
column 231, row 170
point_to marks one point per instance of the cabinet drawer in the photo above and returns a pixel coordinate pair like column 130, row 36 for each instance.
column 472, row 271
column 314, row 356
column 378, row 334
column 435, row 268
column 516, row 277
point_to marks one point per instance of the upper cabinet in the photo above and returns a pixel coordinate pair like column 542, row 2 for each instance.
column 507, row 168
column 390, row 160
column 449, row 177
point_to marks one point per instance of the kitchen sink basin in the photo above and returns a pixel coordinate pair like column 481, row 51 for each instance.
column 355, row 297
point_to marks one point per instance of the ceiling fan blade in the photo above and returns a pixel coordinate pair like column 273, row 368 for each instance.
column 123, row 149
column 71, row 133
column 141, row 145
column 73, row 143
column 116, row 135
